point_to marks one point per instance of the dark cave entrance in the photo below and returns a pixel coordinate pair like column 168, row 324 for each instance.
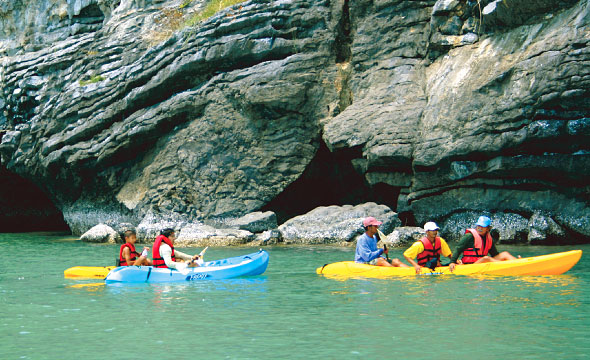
column 329, row 179
column 25, row 208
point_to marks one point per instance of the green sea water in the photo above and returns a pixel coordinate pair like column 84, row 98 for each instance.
column 289, row 312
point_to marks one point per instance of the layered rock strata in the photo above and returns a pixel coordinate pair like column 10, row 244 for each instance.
column 445, row 109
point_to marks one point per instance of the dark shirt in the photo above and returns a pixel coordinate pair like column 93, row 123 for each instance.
column 468, row 241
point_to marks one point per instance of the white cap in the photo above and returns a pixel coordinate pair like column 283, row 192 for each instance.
column 430, row 226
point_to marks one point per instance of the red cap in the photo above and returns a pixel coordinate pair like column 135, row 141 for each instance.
column 371, row 221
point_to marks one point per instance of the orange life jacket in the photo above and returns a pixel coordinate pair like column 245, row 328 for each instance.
column 134, row 254
column 158, row 261
column 479, row 249
column 429, row 251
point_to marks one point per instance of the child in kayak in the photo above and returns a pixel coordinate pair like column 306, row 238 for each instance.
column 127, row 254
column 366, row 246
column 477, row 246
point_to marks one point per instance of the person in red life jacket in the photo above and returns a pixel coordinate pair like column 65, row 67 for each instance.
column 165, row 256
column 477, row 246
column 127, row 254
column 428, row 249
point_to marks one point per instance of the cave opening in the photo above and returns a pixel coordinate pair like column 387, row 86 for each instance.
column 24, row 207
column 91, row 14
column 329, row 179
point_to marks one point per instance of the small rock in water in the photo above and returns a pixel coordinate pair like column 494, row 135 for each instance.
column 100, row 233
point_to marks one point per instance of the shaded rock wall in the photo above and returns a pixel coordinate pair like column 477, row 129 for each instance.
column 24, row 207
column 434, row 108
column 500, row 125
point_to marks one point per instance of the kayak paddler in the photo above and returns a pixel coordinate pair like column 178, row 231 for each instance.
column 428, row 249
column 128, row 255
column 366, row 246
column 477, row 246
column 165, row 256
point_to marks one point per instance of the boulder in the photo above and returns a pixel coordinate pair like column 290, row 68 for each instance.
column 255, row 222
column 269, row 237
column 205, row 235
column 120, row 228
column 333, row 224
column 544, row 230
column 404, row 236
column 100, row 233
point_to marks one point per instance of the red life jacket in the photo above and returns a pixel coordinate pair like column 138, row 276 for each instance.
column 158, row 261
column 134, row 254
column 479, row 249
column 429, row 251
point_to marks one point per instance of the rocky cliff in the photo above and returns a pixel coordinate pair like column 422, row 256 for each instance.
column 130, row 110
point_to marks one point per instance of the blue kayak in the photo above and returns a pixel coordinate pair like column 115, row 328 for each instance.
column 246, row 265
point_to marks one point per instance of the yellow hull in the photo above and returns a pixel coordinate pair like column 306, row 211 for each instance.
column 88, row 272
column 552, row 264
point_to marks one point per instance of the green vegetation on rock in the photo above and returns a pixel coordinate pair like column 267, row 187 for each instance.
column 212, row 8
column 92, row 80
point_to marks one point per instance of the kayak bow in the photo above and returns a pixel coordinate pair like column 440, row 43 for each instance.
column 88, row 272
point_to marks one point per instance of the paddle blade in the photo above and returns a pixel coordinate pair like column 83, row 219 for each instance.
column 203, row 252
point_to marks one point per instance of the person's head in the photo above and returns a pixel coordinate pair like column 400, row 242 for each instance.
column 169, row 233
column 431, row 229
column 371, row 225
column 483, row 225
column 129, row 236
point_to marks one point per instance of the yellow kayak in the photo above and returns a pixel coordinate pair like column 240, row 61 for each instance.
column 552, row 264
column 88, row 272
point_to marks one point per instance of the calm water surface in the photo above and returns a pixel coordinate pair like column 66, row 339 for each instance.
column 289, row 312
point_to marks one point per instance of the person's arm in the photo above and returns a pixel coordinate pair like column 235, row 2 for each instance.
column 166, row 254
column 493, row 251
column 365, row 251
column 465, row 242
column 412, row 252
column 143, row 260
column 183, row 256
column 127, row 257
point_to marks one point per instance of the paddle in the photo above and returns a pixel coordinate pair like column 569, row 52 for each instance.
column 382, row 238
column 185, row 270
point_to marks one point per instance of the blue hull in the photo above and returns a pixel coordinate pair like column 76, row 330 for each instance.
column 247, row 265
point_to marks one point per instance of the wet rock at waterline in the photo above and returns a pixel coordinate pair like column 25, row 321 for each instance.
column 205, row 235
column 543, row 229
column 335, row 224
column 101, row 233
column 255, row 222
column 117, row 110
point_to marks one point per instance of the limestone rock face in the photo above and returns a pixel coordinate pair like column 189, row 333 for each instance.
column 124, row 111
column 100, row 233
column 500, row 125
column 333, row 224
column 209, row 121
